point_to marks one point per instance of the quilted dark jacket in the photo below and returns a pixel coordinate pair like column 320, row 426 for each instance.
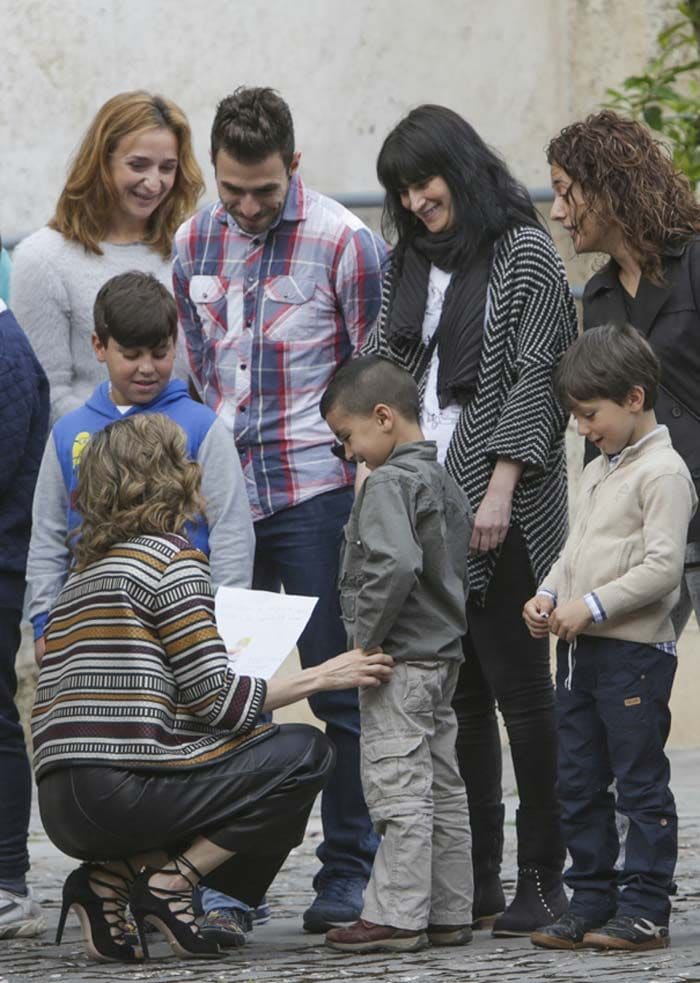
column 24, row 421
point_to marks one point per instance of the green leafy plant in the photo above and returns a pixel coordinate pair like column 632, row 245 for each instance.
column 667, row 96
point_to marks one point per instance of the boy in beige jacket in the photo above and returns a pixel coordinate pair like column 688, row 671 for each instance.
column 609, row 598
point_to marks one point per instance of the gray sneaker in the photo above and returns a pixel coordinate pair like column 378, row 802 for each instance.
column 20, row 916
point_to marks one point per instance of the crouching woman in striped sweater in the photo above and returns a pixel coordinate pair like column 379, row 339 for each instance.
column 148, row 759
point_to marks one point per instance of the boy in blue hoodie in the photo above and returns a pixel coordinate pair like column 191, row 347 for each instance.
column 135, row 336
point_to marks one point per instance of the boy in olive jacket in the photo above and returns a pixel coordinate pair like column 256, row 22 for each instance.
column 609, row 599
column 403, row 587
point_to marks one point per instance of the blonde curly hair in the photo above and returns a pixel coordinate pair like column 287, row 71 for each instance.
column 134, row 479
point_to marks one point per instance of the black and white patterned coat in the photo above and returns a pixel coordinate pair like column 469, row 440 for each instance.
column 530, row 322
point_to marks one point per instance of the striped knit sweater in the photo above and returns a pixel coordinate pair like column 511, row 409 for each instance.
column 531, row 322
column 135, row 674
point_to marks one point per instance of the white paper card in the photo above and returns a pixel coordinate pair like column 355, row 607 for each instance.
column 260, row 628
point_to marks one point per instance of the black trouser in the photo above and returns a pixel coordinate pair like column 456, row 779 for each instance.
column 255, row 802
column 15, row 776
column 504, row 664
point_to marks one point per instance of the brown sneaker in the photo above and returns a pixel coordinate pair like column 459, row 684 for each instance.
column 365, row 936
column 450, row 934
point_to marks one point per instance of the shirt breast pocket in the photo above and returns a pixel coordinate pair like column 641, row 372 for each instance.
column 290, row 308
column 209, row 296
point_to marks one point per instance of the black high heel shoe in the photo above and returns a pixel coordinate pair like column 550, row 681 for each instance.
column 164, row 908
column 95, row 912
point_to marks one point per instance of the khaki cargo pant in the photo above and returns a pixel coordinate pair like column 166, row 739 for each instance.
column 422, row 872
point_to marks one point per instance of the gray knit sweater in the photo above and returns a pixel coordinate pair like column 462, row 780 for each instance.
column 54, row 285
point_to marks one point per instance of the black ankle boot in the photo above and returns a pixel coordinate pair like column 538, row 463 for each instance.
column 539, row 900
column 539, row 897
column 487, row 852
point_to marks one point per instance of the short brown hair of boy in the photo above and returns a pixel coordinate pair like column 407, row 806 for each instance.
column 136, row 310
column 134, row 479
column 361, row 383
column 606, row 363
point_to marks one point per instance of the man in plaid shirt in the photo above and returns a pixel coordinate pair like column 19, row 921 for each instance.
column 276, row 285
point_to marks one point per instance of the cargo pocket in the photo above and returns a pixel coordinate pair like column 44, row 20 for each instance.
column 393, row 768
column 423, row 691
column 348, row 604
column 350, row 579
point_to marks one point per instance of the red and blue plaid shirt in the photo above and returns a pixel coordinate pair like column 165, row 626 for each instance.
column 267, row 319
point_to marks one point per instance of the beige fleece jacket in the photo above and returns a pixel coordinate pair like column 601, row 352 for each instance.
column 627, row 540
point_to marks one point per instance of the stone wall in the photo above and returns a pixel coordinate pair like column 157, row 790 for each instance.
column 518, row 69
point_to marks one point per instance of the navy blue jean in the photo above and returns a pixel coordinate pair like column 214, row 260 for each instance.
column 613, row 723
column 15, row 776
column 298, row 549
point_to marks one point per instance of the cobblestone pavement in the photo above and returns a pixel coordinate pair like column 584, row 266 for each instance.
column 281, row 953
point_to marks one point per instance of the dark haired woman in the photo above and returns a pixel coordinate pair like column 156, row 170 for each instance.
column 618, row 193
column 477, row 307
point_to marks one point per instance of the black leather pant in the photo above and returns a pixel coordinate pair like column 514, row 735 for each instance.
column 255, row 802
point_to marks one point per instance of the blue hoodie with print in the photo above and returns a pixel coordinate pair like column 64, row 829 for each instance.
column 226, row 535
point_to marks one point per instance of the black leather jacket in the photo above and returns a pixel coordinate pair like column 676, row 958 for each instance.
column 669, row 318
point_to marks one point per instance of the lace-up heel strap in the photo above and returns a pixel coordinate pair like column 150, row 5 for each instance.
column 114, row 907
column 182, row 859
column 170, row 910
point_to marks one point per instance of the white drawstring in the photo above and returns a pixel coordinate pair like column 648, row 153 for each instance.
column 572, row 662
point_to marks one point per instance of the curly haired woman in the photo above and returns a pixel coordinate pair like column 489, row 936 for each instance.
column 618, row 193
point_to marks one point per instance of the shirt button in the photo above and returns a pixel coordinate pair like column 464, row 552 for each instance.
column 663, row 822
column 676, row 412
column 243, row 366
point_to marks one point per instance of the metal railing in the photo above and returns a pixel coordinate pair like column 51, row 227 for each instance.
column 356, row 200
column 351, row 199
column 375, row 199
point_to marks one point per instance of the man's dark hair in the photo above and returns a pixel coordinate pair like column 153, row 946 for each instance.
column 605, row 363
column 252, row 124
column 361, row 383
column 136, row 310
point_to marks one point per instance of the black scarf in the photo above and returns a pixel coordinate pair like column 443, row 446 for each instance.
column 460, row 331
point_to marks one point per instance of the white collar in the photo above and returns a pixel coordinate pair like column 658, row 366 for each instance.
column 614, row 458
